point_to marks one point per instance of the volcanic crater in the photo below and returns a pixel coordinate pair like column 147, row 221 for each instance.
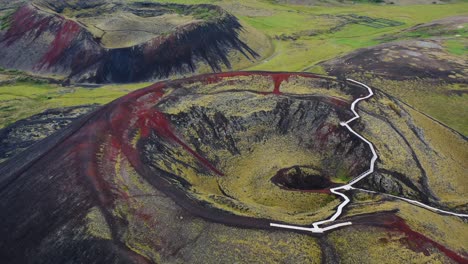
column 238, row 142
column 302, row 178
column 106, row 42
column 243, row 149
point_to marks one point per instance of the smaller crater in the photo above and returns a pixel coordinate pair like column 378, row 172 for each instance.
column 301, row 178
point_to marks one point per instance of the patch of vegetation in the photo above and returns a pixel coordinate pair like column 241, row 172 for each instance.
column 11, row 71
column 342, row 176
column 29, row 96
column 5, row 20
column 378, row 245
column 427, row 32
column 429, row 98
column 199, row 12
column 440, row 228
column 370, row 1
column 306, row 50
column 371, row 21
column 30, row 80
column 205, row 13
column 457, row 46
column 395, row 108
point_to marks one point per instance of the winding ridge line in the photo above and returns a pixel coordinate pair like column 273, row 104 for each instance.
column 339, row 210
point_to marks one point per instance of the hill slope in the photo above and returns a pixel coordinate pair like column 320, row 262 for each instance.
column 82, row 44
column 175, row 172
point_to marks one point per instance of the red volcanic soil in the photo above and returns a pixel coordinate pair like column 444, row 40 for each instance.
column 413, row 239
column 27, row 43
column 26, row 21
column 418, row 242
column 65, row 35
column 277, row 78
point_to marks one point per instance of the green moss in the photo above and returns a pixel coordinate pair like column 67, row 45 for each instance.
column 5, row 21
column 449, row 231
column 395, row 108
column 342, row 176
column 378, row 245
column 428, row 98
column 457, row 46
column 428, row 32
column 205, row 13
column 97, row 225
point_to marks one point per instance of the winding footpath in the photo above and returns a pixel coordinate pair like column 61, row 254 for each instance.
column 339, row 210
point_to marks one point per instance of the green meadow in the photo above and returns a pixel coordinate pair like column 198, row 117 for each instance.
column 23, row 99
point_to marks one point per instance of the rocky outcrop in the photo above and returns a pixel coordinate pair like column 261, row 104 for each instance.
column 24, row 133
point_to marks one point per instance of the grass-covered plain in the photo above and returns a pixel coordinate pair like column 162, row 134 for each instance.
column 23, row 99
column 457, row 46
column 304, row 52
column 297, row 55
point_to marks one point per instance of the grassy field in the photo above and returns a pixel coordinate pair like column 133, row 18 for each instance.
column 457, row 46
column 307, row 51
column 23, row 99
column 303, row 53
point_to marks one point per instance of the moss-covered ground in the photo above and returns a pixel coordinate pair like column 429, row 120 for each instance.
column 444, row 102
